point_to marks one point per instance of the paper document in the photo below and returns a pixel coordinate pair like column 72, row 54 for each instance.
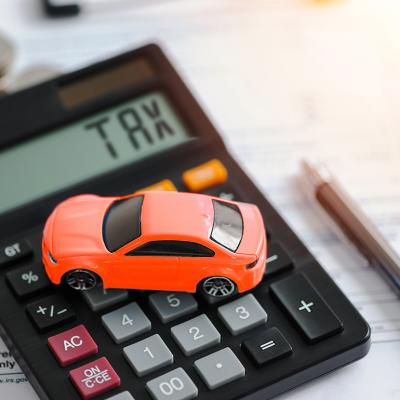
column 282, row 80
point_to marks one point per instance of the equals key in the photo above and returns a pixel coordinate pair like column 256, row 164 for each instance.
column 267, row 346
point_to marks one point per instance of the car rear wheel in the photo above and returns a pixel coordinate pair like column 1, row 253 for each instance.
column 218, row 286
column 81, row 279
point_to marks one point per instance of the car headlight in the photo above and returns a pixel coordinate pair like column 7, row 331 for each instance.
column 51, row 258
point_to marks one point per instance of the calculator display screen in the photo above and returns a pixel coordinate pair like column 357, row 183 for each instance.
column 103, row 142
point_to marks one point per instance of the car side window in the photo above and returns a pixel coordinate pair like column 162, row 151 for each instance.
column 171, row 248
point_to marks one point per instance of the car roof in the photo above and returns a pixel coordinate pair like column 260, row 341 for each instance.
column 179, row 216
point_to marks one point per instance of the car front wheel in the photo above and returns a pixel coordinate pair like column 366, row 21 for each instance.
column 81, row 279
column 218, row 286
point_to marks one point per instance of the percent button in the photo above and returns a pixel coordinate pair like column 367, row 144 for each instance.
column 28, row 280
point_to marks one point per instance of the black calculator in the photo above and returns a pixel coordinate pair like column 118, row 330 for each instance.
column 113, row 128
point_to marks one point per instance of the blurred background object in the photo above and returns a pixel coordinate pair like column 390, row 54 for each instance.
column 6, row 60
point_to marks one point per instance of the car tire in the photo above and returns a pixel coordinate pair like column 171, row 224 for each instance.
column 81, row 279
column 218, row 287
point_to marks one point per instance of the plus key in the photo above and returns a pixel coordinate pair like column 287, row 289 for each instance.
column 307, row 308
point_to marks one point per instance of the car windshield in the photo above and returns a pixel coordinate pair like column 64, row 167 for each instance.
column 228, row 225
column 122, row 222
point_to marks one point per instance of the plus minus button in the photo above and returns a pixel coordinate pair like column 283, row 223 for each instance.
column 305, row 306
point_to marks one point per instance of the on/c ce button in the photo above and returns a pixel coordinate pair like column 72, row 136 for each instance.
column 72, row 345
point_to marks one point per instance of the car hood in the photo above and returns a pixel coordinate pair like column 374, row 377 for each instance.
column 76, row 226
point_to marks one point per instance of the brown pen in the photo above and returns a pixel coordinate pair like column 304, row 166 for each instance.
column 353, row 222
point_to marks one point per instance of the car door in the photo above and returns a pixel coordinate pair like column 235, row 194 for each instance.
column 196, row 262
column 150, row 266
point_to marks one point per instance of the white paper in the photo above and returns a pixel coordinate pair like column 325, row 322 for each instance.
column 282, row 80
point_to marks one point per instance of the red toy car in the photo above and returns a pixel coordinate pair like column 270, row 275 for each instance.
column 156, row 240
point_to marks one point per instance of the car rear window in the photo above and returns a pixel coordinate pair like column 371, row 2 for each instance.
column 228, row 225
column 122, row 222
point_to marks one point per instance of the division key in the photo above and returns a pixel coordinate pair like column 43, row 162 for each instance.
column 307, row 308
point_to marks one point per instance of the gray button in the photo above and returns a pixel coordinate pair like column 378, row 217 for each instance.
column 126, row 322
column 219, row 368
column 242, row 314
column 170, row 305
column 195, row 335
column 174, row 385
column 121, row 396
column 148, row 355
column 99, row 298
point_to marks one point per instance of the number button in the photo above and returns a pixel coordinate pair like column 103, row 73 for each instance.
column 14, row 251
column 242, row 314
column 99, row 298
column 195, row 335
column 126, row 322
column 174, row 385
column 148, row 355
column 170, row 306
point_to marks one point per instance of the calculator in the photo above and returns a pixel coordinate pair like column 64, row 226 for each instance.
column 122, row 125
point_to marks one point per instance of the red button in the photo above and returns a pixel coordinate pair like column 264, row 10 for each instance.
column 94, row 378
column 72, row 345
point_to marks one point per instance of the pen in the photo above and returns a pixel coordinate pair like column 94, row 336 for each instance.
column 353, row 222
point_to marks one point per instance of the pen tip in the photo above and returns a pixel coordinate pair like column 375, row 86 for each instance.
column 316, row 173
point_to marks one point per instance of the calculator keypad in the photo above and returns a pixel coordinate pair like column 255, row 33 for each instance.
column 99, row 298
column 50, row 312
column 195, row 335
column 126, row 322
column 242, row 314
column 170, row 306
column 148, row 355
column 174, row 385
column 219, row 368
column 28, row 280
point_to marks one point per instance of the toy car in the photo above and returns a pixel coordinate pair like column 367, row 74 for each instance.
column 156, row 240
